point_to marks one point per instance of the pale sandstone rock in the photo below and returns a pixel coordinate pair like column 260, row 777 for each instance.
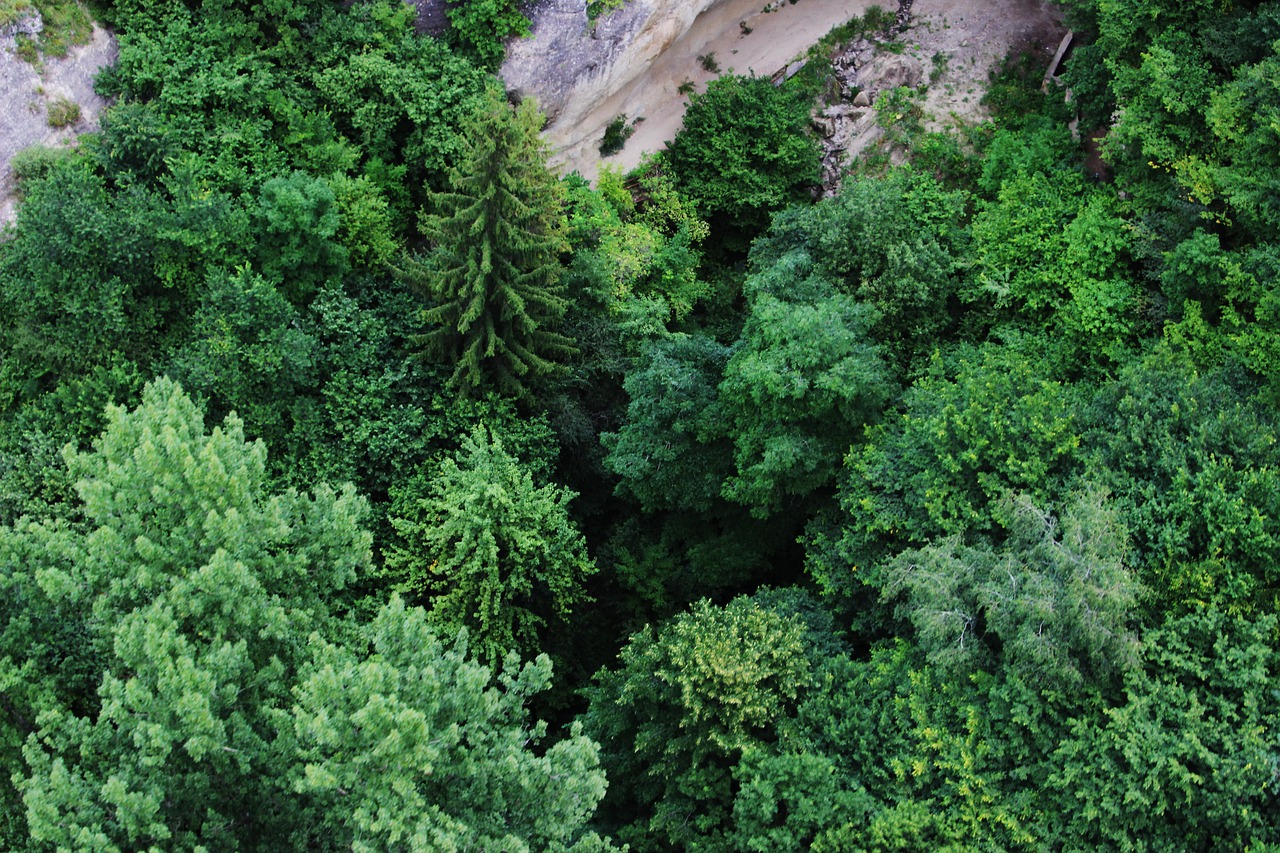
column 571, row 65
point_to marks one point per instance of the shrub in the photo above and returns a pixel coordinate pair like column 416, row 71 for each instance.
column 63, row 112
column 32, row 164
column 615, row 136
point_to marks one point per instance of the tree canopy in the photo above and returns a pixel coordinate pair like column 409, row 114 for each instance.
column 366, row 485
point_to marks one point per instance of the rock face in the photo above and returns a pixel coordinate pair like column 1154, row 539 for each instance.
column 431, row 19
column 571, row 65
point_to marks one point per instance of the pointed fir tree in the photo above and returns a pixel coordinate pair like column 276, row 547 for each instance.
column 492, row 276
column 493, row 552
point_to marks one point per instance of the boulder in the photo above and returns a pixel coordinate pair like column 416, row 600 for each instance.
column 892, row 70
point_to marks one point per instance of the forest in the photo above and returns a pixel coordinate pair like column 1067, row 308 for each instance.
column 365, row 485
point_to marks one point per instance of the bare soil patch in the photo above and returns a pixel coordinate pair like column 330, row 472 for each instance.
column 28, row 91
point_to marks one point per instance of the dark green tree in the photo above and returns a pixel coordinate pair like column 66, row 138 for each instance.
column 893, row 242
column 1188, row 759
column 492, row 277
column 679, row 712
column 802, row 381
column 669, row 453
column 744, row 150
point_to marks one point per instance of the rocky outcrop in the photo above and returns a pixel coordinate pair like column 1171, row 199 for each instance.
column 571, row 64
column 29, row 24
column 431, row 19
column 26, row 95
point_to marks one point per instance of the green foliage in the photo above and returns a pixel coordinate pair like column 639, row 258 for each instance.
column 13, row 10
column 65, row 23
column 1186, row 760
column 493, row 278
column 78, row 281
column 33, row 479
column 1020, row 236
column 894, row 243
column 482, row 27
column 62, row 112
column 195, row 653
column 404, row 106
column 899, row 114
column 875, row 18
column 35, row 162
column 600, row 8
column 1061, row 256
column 744, row 150
column 249, row 97
column 202, row 588
column 685, row 705
column 365, row 228
column 412, row 746
column 134, row 142
column 667, row 452
column 248, row 353
column 792, row 801
column 1016, row 97
column 961, row 444
column 296, row 223
column 802, row 381
column 638, row 264
column 199, row 671
column 616, row 134
column 1041, row 145
column 1052, row 604
column 915, row 754
column 492, row 552
column 1189, row 457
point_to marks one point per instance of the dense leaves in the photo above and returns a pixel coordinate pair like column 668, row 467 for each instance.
column 493, row 552
column 939, row 513
column 744, row 150
column 493, row 279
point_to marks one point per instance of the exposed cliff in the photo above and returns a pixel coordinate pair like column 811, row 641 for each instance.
column 571, row 65
column 641, row 60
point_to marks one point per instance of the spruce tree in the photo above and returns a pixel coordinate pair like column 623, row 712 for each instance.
column 492, row 274
column 494, row 552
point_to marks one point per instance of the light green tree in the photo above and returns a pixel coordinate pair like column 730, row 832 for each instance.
column 175, row 666
column 492, row 278
column 413, row 746
column 493, row 552
column 1053, row 604
column 200, row 590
